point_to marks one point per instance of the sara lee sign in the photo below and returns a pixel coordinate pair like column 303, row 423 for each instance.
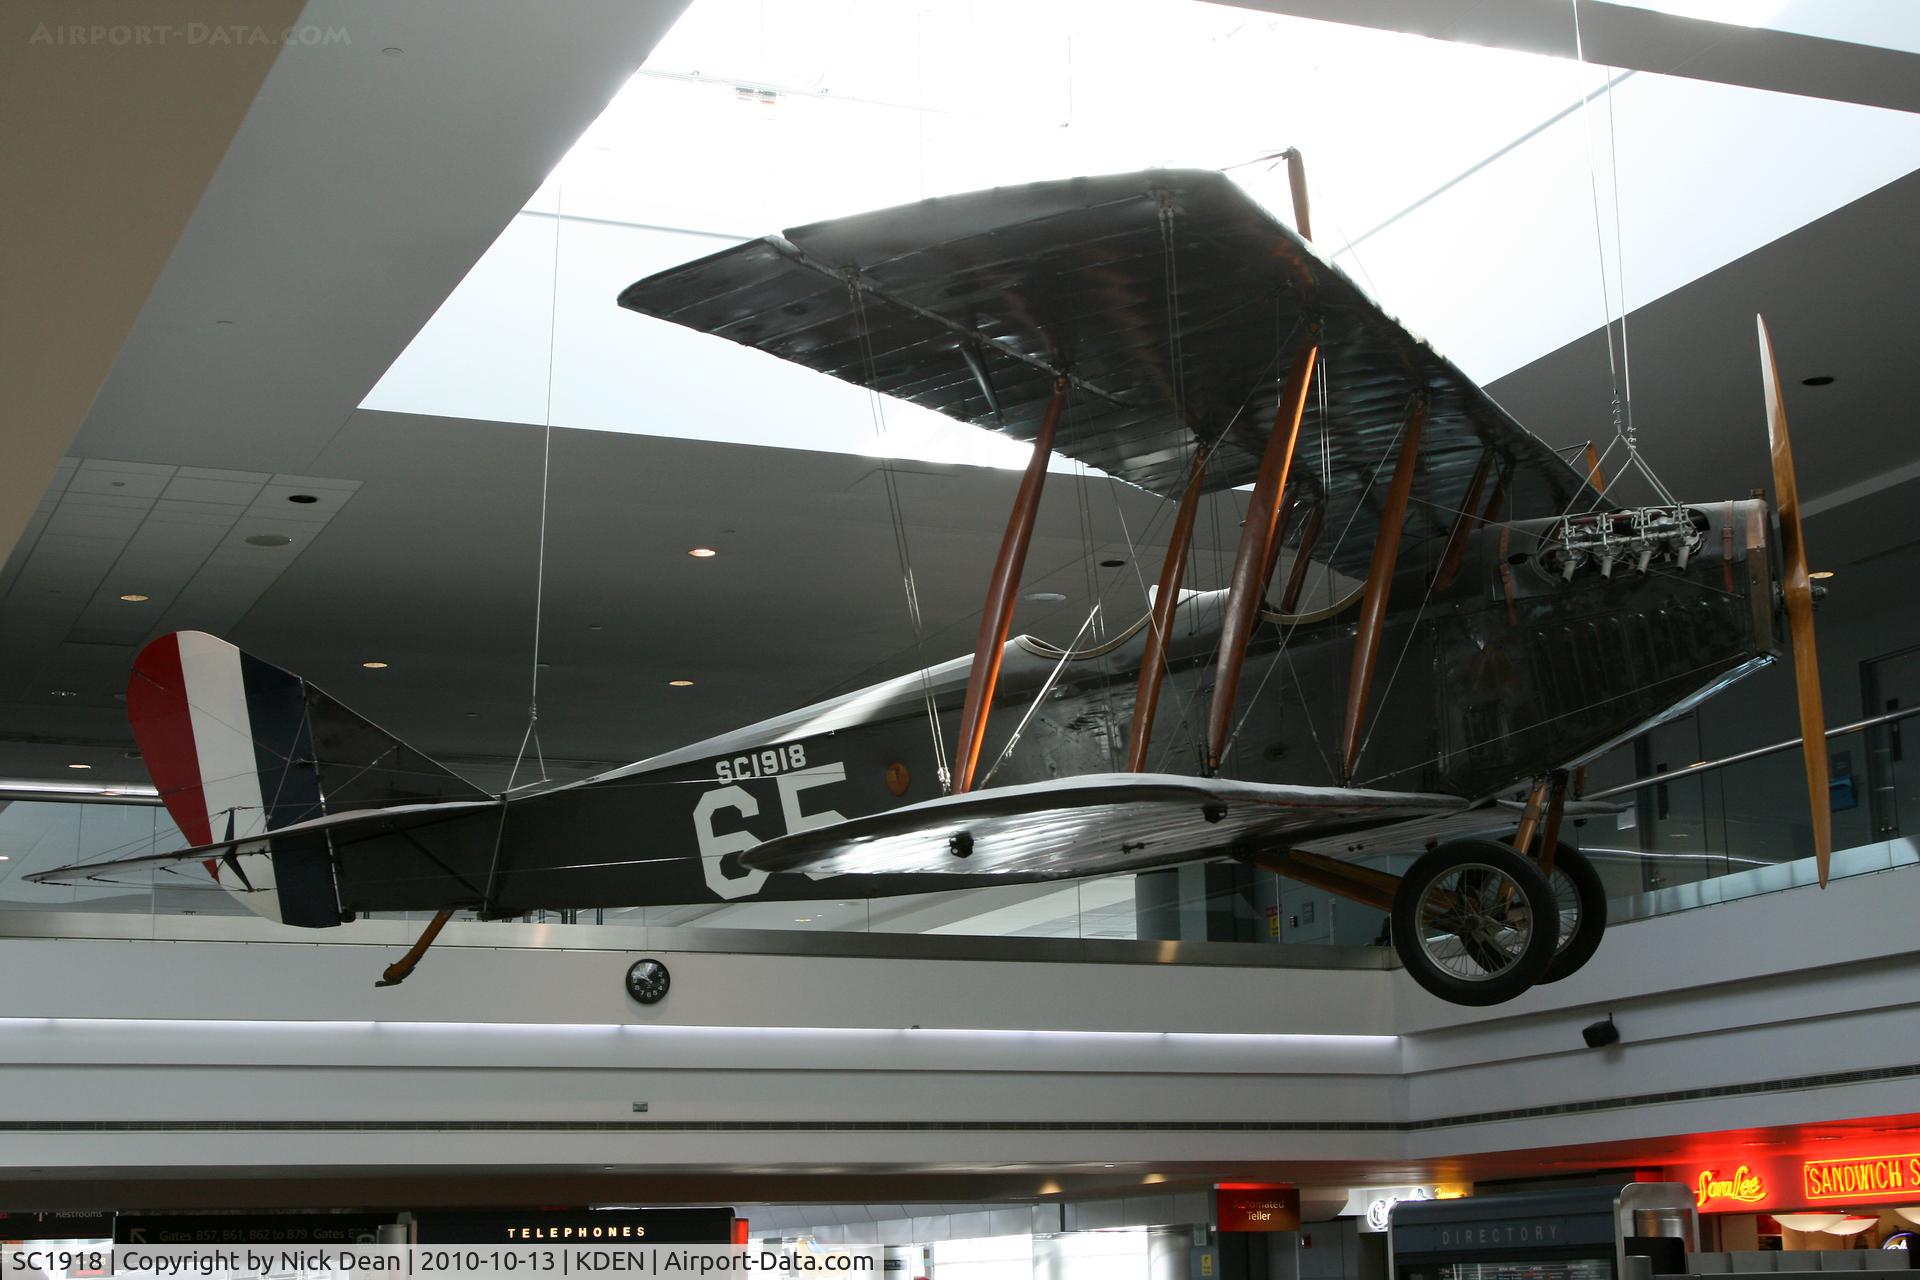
column 1771, row 1184
column 1740, row 1186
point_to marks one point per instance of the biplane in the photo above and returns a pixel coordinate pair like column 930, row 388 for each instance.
column 1487, row 618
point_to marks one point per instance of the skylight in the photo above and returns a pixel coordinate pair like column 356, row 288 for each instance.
column 1466, row 187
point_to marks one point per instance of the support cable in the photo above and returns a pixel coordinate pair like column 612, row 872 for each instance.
column 1618, row 368
column 903, row 551
column 532, row 734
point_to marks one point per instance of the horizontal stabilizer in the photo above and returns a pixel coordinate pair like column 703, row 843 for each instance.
column 394, row 817
column 1090, row 825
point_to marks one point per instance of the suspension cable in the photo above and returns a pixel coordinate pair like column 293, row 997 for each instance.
column 903, row 552
column 1619, row 370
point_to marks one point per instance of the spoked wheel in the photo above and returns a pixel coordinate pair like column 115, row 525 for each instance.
column 1581, row 900
column 1474, row 922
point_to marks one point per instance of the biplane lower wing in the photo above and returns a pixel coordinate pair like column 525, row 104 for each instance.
column 1090, row 825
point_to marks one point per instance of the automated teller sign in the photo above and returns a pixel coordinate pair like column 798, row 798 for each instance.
column 1241, row 1206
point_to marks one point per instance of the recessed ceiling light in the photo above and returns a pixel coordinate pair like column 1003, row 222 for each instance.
column 134, row 597
column 268, row 539
column 223, row 322
column 1046, row 597
column 78, row 764
column 374, row 666
column 473, row 715
column 680, row 684
column 304, row 499
column 393, row 51
column 701, row 553
column 1111, row 564
column 3, row 857
column 63, row 693
column 1821, row 574
column 1818, row 380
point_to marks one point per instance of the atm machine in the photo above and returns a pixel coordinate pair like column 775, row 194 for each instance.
column 1581, row 1233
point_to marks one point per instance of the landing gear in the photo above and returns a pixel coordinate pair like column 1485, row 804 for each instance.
column 1581, row 900
column 1475, row 922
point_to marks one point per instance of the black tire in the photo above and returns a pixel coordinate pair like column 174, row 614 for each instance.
column 1464, row 922
column 1582, row 900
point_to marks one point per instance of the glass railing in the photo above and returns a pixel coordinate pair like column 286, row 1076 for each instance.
column 1736, row 817
column 1706, row 832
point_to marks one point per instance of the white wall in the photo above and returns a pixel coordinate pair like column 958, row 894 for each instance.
column 987, row 1060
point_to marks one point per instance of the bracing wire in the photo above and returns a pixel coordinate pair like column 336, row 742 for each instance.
column 1287, row 635
column 1098, row 596
column 1040, row 698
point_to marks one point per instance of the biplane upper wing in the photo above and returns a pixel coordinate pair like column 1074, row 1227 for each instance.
column 1169, row 299
column 1088, row 825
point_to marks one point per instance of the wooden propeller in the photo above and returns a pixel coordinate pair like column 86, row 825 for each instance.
column 1798, row 593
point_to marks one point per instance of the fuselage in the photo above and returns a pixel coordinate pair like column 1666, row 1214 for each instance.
column 1547, row 643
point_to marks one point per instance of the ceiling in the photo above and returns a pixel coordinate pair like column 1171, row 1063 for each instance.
column 80, row 261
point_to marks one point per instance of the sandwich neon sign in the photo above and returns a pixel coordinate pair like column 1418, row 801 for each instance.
column 1862, row 1177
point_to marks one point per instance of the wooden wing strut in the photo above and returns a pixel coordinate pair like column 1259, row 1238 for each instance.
column 1303, row 557
column 1275, row 544
column 1464, row 521
column 1373, row 604
column 1153, row 660
column 1245, row 589
column 1002, row 591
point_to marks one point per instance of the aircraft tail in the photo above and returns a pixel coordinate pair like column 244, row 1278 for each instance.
column 239, row 747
